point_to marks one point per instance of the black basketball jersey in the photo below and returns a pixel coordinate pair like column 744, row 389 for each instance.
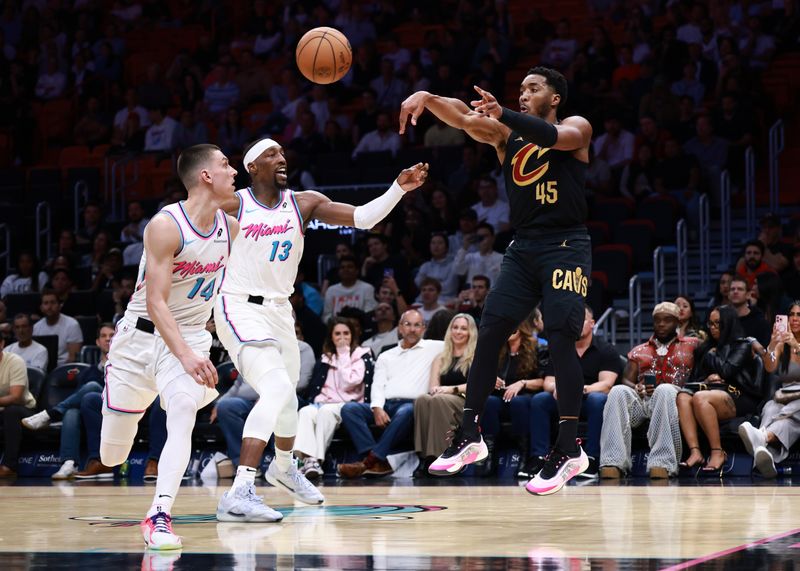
column 545, row 187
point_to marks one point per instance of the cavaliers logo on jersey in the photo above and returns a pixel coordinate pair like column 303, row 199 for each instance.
column 518, row 163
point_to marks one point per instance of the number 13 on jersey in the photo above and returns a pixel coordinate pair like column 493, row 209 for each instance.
column 287, row 246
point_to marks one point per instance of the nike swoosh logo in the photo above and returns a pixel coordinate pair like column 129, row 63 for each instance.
column 250, row 211
column 187, row 242
column 519, row 139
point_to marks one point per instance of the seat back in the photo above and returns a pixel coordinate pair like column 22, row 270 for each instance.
column 616, row 261
column 62, row 382
column 35, row 382
column 639, row 235
column 227, row 375
column 90, row 354
column 50, row 343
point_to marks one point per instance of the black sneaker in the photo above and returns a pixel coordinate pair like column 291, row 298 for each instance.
column 592, row 472
column 530, row 467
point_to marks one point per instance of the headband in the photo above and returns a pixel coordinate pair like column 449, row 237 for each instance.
column 256, row 150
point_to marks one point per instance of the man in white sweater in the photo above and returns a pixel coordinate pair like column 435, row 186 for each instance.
column 34, row 354
column 350, row 292
column 401, row 375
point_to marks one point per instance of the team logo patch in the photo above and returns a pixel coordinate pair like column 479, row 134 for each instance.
column 379, row 512
column 522, row 178
column 571, row 280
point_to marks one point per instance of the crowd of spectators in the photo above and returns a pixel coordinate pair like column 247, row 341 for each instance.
column 674, row 98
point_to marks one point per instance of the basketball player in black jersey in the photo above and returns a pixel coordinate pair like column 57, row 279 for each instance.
column 544, row 162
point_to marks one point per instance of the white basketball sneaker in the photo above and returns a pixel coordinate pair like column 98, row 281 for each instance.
column 243, row 505
column 37, row 421
column 157, row 532
column 294, row 483
column 559, row 468
column 66, row 472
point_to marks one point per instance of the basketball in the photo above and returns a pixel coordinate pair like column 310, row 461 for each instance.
column 323, row 55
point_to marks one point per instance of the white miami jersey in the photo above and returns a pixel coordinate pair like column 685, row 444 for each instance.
column 268, row 249
column 197, row 271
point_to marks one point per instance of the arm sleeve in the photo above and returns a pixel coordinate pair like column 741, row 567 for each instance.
column 531, row 128
column 368, row 215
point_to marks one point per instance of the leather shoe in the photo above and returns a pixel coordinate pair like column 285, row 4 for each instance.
column 151, row 470
column 376, row 467
column 352, row 470
column 6, row 472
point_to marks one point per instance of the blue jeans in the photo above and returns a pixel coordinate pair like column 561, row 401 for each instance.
column 357, row 417
column 496, row 408
column 92, row 415
column 544, row 408
column 231, row 415
column 71, row 421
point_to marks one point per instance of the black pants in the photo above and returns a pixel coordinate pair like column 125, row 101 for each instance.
column 553, row 268
column 12, row 433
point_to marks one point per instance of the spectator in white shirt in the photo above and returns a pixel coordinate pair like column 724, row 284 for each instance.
column 22, row 281
column 131, row 106
column 615, row 146
column 160, row 136
column 70, row 337
column 134, row 230
column 386, row 325
column 401, row 375
column 34, row 354
column 491, row 209
column 429, row 291
column 349, row 292
column 485, row 262
column 381, row 139
column 441, row 267
column 51, row 82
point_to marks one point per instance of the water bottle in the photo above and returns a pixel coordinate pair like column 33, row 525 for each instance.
column 124, row 469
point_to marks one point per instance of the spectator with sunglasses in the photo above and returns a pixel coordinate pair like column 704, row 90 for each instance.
column 721, row 387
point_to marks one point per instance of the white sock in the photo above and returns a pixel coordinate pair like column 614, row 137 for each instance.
column 283, row 459
column 245, row 476
column 162, row 503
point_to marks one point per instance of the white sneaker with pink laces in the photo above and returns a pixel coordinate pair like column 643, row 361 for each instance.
column 157, row 532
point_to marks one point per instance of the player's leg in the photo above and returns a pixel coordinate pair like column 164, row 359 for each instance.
column 263, row 368
column 567, row 267
column 510, row 300
column 283, row 472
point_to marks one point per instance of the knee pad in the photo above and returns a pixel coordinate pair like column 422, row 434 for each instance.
column 261, row 361
column 116, row 436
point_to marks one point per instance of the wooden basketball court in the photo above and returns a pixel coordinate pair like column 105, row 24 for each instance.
column 441, row 524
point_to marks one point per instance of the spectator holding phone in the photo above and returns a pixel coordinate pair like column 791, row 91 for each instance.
column 650, row 383
column 769, row 444
column 485, row 261
column 380, row 265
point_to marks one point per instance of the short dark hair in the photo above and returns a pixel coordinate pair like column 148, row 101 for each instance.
column 433, row 282
column 348, row 258
column 482, row 278
column 554, row 79
column 380, row 237
column 757, row 243
column 191, row 159
column 23, row 316
column 738, row 278
column 105, row 325
column 486, row 226
column 49, row 291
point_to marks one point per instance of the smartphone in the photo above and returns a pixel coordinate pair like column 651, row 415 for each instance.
column 782, row 323
column 388, row 272
column 649, row 380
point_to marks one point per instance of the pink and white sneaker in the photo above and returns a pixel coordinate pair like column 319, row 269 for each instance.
column 559, row 468
column 462, row 451
column 157, row 532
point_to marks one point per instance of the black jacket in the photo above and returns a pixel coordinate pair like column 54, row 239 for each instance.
column 734, row 363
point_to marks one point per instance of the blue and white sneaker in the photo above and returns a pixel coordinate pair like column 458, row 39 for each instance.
column 294, row 483
column 243, row 505
column 559, row 468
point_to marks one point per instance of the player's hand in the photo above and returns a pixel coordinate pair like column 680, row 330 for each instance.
column 382, row 419
column 200, row 369
column 413, row 107
column 413, row 177
column 487, row 104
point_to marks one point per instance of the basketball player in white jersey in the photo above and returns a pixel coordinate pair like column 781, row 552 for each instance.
column 254, row 316
column 161, row 346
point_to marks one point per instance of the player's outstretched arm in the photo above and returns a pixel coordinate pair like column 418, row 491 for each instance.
column 367, row 215
column 162, row 240
column 455, row 113
column 570, row 135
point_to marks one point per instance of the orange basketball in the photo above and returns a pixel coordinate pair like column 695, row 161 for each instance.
column 323, row 55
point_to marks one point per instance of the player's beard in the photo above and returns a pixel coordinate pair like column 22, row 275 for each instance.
column 279, row 185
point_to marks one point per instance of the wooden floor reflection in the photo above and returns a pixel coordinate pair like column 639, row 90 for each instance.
column 401, row 526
